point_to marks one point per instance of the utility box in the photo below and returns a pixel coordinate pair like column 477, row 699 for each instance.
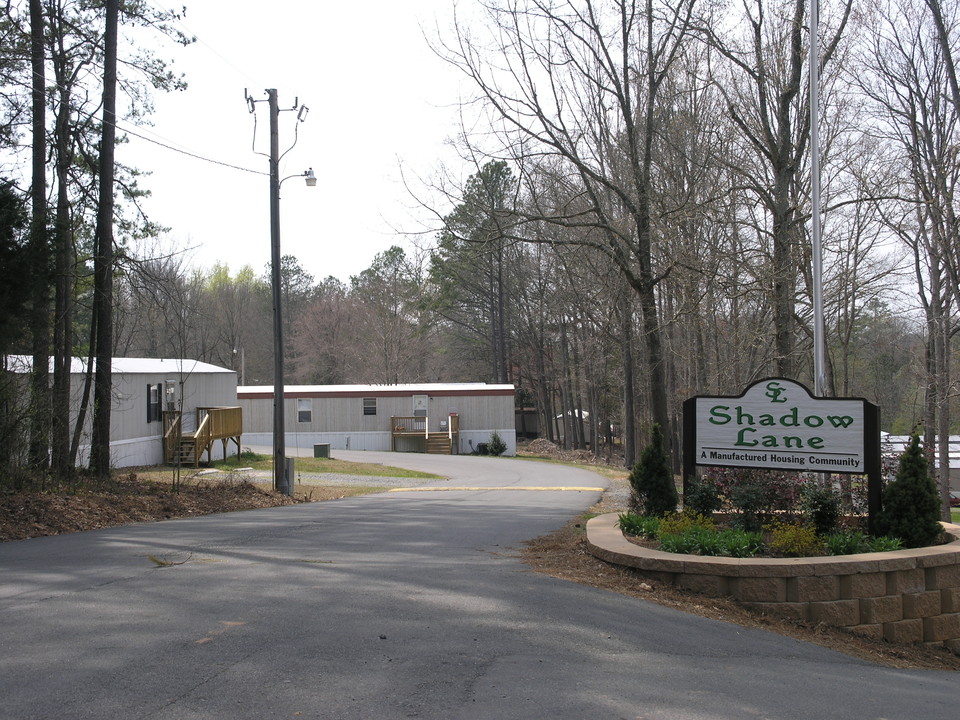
column 289, row 475
column 321, row 450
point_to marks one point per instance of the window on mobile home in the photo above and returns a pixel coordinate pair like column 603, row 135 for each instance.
column 154, row 412
column 304, row 410
column 369, row 406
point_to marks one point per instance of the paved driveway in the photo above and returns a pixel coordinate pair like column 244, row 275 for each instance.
column 391, row 606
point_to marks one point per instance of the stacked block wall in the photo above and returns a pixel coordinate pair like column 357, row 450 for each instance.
column 905, row 596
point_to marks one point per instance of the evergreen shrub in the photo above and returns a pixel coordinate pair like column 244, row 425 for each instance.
column 911, row 503
column 654, row 490
column 496, row 446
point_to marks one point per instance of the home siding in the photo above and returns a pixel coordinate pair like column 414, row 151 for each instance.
column 337, row 415
column 133, row 440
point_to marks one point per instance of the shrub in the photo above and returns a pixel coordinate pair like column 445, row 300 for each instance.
column 849, row 542
column 687, row 543
column 792, row 539
column 911, row 503
column 496, row 446
column 679, row 523
column 748, row 500
column 738, row 543
column 654, row 490
column 885, row 544
column 639, row 525
column 820, row 507
column 755, row 494
column 702, row 496
column 704, row 540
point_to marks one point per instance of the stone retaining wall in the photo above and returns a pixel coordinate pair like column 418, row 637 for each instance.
column 904, row 596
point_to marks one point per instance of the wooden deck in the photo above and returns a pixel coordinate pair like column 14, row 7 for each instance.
column 213, row 423
column 438, row 442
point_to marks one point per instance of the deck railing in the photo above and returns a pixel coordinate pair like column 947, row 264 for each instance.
column 419, row 427
column 213, row 423
column 410, row 425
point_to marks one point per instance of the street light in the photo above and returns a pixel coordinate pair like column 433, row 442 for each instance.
column 281, row 480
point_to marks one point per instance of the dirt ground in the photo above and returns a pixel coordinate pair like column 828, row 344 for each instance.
column 143, row 498
column 134, row 497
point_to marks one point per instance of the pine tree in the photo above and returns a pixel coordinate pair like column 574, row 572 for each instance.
column 654, row 490
column 911, row 504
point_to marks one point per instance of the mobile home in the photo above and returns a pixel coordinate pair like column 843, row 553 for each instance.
column 148, row 395
column 436, row 417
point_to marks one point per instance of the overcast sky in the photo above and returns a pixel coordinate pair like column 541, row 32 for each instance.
column 378, row 99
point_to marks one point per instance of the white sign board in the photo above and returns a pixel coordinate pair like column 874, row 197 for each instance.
column 777, row 425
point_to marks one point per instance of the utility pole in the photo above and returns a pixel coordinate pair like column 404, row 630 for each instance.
column 282, row 480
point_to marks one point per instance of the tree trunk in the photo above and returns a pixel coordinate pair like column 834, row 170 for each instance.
column 103, row 260
column 63, row 303
column 40, row 254
column 629, row 411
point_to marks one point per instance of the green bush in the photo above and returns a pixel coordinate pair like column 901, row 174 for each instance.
column 685, row 543
column 911, row 503
column 792, row 539
column 496, row 446
column 639, row 525
column 654, row 490
column 679, row 523
column 851, row 542
column 755, row 494
column 848, row 542
column 885, row 544
column 820, row 507
column 747, row 501
column 702, row 496
column 739, row 543
column 707, row 541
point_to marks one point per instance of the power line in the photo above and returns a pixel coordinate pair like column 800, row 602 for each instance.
column 190, row 154
column 165, row 145
column 202, row 42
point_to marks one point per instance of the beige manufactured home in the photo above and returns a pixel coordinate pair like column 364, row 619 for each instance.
column 453, row 418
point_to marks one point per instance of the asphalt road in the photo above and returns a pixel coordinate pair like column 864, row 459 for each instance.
column 397, row 605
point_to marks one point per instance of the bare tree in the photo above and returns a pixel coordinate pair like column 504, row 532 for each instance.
column 390, row 318
column 904, row 74
column 765, row 98
column 575, row 86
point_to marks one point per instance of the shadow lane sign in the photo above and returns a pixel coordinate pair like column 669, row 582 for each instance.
column 777, row 424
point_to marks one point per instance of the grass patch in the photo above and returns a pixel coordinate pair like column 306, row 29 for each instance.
column 955, row 514
column 322, row 465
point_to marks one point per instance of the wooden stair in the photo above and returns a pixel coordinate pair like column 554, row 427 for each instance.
column 186, row 451
column 438, row 443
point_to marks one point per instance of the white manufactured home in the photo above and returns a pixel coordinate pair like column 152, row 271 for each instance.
column 154, row 397
column 449, row 418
